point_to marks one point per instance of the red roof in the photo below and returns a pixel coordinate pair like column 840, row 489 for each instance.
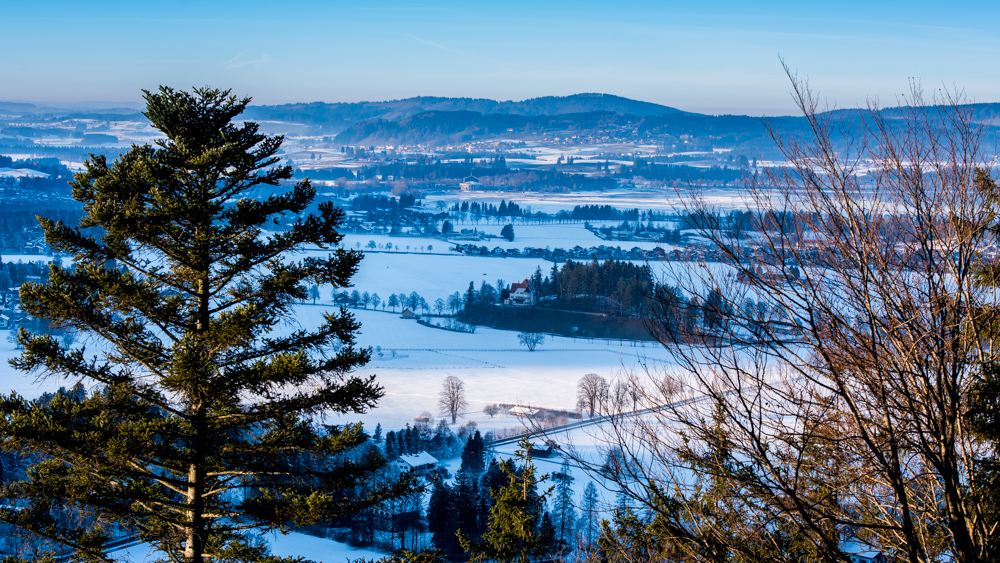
column 523, row 285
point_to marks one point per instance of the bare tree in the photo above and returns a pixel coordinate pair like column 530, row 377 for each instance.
column 591, row 393
column 491, row 410
column 829, row 410
column 455, row 302
column 530, row 340
column 451, row 399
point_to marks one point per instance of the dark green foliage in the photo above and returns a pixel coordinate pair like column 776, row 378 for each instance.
column 515, row 531
column 441, row 521
column 198, row 432
column 589, row 518
column 563, row 515
column 474, row 455
column 391, row 446
column 507, row 232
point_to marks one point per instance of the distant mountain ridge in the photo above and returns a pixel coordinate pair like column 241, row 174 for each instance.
column 335, row 117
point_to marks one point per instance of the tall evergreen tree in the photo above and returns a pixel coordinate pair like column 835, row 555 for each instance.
column 468, row 496
column 474, row 454
column 391, row 446
column 195, row 396
column 515, row 532
column 563, row 515
column 589, row 520
column 441, row 521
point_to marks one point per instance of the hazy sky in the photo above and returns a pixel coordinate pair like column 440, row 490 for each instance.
column 706, row 56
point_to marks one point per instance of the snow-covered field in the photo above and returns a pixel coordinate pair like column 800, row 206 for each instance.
column 554, row 236
column 290, row 545
column 434, row 276
column 493, row 365
column 665, row 199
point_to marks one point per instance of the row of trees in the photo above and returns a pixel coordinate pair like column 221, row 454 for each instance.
column 18, row 227
column 618, row 286
column 366, row 202
column 613, row 286
column 412, row 301
column 13, row 274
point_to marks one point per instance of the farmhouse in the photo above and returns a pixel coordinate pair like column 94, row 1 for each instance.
column 524, row 412
column 422, row 463
column 522, row 295
column 470, row 183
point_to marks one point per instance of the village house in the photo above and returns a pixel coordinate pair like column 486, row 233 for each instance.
column 522, row 295
column 421, row 463
column 470, row 183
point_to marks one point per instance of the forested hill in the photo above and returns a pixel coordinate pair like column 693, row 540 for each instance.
column 333, row 118
column 457, row 126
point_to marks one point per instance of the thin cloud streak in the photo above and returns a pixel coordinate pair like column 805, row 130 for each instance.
column 437, row 45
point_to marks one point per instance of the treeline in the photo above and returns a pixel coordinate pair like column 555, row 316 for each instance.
column 441, row 126
column 13, row 274
column 620, row 290
column 421, row 169
column 578, row 213
column 603, row 213
column 18, row 227
column 440, row 442
column 51, row 166
column 739, row 221
column 435, row 175
column 610, row 286
column 503, row 210
column 367, row 202
column 679, row 172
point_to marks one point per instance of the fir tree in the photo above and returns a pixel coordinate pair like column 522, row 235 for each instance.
column 514, row 532
column 391, row 446
column 441, row 521
column 474, row 454
column 468, row 518
column 563, row 514
column 195, row 397
column 547, row 535
column 412, row 440
column 588, row 525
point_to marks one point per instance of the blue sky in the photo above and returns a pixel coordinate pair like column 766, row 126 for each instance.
column 714, row 57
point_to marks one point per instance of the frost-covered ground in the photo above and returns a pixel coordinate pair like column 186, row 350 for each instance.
column 492, row 363
column 433, row 276
column 552, row 236
column 290, row 545
column 665, row 199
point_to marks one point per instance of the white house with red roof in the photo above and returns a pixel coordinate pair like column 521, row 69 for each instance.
column 522, row 295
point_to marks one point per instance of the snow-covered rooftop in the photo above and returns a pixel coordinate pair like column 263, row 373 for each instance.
column 417, row 460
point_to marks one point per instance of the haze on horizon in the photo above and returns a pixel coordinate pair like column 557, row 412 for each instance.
column 716, row 57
